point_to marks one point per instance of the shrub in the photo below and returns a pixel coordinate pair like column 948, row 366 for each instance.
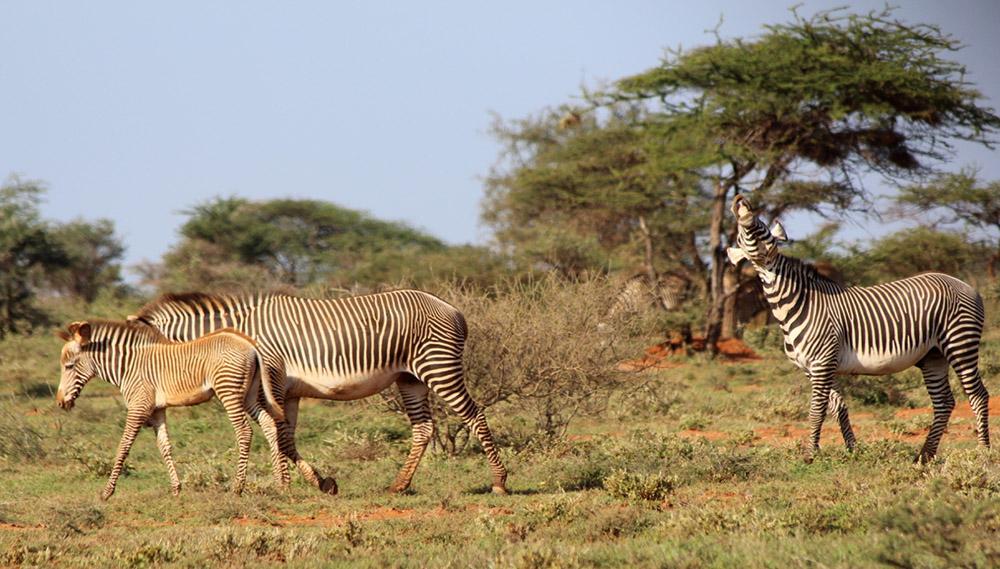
column 630, row 486
column 539, row 345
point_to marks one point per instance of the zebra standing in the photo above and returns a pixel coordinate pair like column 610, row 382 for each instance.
column 930, row 320
column 347, row 349
column 154, row 373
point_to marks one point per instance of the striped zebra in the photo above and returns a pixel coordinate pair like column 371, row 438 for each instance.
column 931, row 320
column 154, row 373
column 347, row 349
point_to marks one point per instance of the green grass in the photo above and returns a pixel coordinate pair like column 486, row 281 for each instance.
column 698, row 466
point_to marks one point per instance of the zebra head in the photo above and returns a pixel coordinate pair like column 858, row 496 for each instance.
column 755, row 242
column 77, row 363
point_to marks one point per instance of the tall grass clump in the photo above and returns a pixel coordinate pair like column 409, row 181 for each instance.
column 18, row 441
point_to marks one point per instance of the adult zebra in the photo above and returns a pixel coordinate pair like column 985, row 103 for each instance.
column 931, row 320
column 347, row 349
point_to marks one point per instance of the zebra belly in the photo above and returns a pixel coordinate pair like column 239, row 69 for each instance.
column 325, row 384
column 856, row 362
column 183, row 398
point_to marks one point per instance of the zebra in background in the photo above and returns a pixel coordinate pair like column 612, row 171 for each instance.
column 930, row 320
column 638, row 294
column 346, row 349
column 154, row 373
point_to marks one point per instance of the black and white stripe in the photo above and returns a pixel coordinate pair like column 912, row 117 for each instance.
column 347, row 349
column 154, row 373
column 931, row 320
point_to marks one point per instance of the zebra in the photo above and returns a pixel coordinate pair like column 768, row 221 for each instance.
column 348, row 349
column 930, row 320
column 154, row 373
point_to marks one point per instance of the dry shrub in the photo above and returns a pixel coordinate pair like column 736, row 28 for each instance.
column 543, row 346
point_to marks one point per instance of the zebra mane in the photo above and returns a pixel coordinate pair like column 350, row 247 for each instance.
column 119, row 332
column 812, row 271
column 186, row 302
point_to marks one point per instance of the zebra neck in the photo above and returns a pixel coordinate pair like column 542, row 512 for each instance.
column 786, row 290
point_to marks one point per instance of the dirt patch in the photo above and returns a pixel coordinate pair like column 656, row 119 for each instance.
column 5, row 526
column 710, row 435
column 658, row 356
column 962, row 410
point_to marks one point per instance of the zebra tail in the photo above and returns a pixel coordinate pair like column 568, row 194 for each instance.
column 276, row 411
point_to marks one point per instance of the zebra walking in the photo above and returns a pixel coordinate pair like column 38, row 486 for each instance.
column 347, row 349
column 931, row 320
column 154, row 373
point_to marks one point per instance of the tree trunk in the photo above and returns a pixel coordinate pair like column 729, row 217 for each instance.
column 713, row 325
column 730, row 282
column 647, row 263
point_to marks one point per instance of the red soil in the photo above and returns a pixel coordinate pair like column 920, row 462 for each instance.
column 962, row 410
column 731, row 350
column 710, row 435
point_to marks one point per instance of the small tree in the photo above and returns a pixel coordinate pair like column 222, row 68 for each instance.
column 960, row 198
column 26, row 248
column 295, row 242
column 93, row 256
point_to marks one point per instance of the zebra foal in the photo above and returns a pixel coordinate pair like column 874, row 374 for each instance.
column 931, row 320
column 153, row 373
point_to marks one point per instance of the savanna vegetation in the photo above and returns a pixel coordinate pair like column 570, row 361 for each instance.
column 616, row 459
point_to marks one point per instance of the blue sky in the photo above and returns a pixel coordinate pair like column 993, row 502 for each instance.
column 135, row 110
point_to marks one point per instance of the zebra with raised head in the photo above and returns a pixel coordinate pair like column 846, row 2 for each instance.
column 154, row 373
column 931, row 320
column 346, row 349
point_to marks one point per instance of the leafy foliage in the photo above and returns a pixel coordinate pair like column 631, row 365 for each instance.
column 26, row 247
column 234, row 243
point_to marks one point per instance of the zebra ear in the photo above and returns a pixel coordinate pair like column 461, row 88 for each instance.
column 63, row 335
column 735, row 255
column 80, row 332
column 778, row 231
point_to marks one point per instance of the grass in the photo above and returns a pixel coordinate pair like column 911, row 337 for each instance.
column 698, row 466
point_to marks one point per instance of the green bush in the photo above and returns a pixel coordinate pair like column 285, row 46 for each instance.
column 631, row 486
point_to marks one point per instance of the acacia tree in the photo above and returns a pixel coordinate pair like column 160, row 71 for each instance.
column 588, row 194
column 93, row 258
column 833, row 96
column 961, row 198
column 237, row 244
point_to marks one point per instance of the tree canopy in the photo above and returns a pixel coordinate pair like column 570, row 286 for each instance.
column 236, row 243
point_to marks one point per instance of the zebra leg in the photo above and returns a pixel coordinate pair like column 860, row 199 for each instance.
column 279, row 466
column 244, row 435
column 292, row 416
column 414, row 395
column 286, row 442
column 158, row 421
column 836, row 406
column 445, row 378
column 935, row 370
column 822, row 383
column 134, row 421
column 965, row 361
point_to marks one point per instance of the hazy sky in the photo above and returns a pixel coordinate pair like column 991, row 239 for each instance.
column 137, row 110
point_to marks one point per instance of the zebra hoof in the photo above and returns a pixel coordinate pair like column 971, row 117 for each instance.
column 398, row 489
column 328, row 486
column 175, row 490
column 500, row 491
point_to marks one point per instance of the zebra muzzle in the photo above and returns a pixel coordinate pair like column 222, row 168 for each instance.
column 64, row 403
